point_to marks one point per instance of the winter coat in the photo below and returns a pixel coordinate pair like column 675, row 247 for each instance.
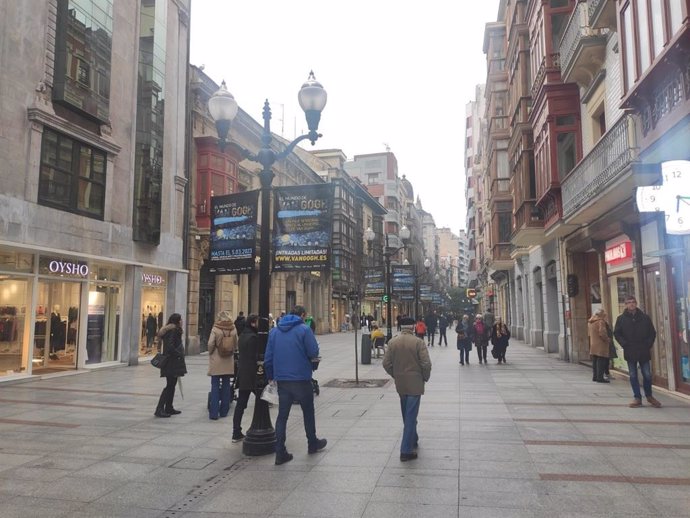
column 636, row 334
column 170, row 336
column 442, row 322
column 500, row 335
column 407, row 361
column 240, row 322
column 248, row 346
column 599, row 336
column 430, row 323
column 290, row 350
column 465, row 332
column 217, row 364
column 481, row 334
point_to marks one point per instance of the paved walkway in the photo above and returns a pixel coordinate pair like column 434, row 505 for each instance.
column 533, row 438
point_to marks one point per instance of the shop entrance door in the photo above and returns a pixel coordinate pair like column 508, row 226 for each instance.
column 653, row 296
column 56, row 331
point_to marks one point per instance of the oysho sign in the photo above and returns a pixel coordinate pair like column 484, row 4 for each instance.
column 68, row 268
column 152, row 278
column 619, row 253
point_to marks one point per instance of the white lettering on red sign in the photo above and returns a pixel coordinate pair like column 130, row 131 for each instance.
column 618, row 253
column 150, row 278
column 68, row 268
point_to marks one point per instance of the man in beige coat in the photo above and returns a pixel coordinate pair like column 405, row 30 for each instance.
column 407, row 361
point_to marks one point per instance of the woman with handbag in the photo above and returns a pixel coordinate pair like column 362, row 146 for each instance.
column 173, row 365
column 500, row 335
column 222, row 344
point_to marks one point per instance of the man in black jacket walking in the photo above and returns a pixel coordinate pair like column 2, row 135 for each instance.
column 636, row 334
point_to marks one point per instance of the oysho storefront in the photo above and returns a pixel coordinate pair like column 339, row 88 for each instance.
column 60, row 313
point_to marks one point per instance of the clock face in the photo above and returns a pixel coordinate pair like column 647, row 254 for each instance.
column 652, row 199
column 672, row 198
column 678, row 220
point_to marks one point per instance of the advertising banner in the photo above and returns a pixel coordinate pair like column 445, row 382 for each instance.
column 403, row 282
column 425, row 294
column 374, row 283
column 233, row 232
column 302, row 227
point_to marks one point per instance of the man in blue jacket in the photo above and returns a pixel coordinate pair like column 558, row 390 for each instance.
column 288, row 360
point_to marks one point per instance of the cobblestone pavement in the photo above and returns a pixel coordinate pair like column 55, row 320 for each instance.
column 532, row 438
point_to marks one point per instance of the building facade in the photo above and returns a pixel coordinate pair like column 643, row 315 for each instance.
column 92, row 209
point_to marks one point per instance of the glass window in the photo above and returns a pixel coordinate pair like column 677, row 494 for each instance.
column 643, row 35
column 658, row 37
column 103, row 325
column 14, row 299
column 629, row 35
column 675, row 14
column 72, row 175
column 567, row 153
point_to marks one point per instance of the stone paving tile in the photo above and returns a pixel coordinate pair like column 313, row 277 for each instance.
column 409, row 510
column 256, row 501
column 323, row 505
column 416, row 495
column 144, row 496
column 95, row 510
column 339, row 482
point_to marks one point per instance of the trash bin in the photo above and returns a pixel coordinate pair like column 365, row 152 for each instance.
column 366, row 349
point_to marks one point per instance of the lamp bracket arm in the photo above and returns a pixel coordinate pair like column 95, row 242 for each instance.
column 292, row 145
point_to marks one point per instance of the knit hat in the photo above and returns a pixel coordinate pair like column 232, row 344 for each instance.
column 407, row 321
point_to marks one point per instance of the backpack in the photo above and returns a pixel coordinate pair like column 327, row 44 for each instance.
column 420, row 328
column 226, row 348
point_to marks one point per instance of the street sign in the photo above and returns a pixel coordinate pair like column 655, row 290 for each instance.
column 385, row 298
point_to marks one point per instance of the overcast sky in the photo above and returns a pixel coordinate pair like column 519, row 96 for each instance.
column 397, row 73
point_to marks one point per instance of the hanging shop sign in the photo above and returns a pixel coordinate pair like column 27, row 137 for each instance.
column 425, row 294
column 672, row 197
column 233, row 232
column 618, row 254
column 302, row 227
column 403, row 282
column 63, row 267
column 374, row 283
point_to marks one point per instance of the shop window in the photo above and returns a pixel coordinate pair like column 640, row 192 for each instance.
column 72, row 175
column 14, row 298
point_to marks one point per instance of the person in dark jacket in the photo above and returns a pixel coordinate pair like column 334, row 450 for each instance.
column 442, row 326
column 151, row 328
column 500, row 337
column 174, row 366
column 481, row 337
column 636, row 334
column 248, row 347
column 290, row 351
column 240, row 322
column 430, row 321
column 465, row 333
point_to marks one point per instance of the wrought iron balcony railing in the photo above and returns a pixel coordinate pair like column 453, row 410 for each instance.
column 602, row 166
column 578, row 35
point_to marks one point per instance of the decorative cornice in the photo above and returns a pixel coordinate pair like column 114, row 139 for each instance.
column 46, row 118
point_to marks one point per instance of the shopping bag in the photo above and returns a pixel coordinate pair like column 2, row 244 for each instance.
column 270, row 393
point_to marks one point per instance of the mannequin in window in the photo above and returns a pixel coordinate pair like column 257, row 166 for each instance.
column 57, row 330
column 151, row 328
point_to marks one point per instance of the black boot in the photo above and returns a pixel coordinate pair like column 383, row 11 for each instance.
column 169, row 409
column 160, row 409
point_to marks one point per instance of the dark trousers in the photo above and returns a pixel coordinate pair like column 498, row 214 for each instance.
column 430, row 335
column 481, row 351
column 599, row 367
column 464, row 355
column 442, row 336
column 240, row 407
column 165, row 402
column 288, row 393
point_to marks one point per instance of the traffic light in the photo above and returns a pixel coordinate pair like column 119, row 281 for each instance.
column 471, row 293
column 385, row 298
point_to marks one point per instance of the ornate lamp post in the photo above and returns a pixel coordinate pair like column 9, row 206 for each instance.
column 387, row 254
column 260, row 439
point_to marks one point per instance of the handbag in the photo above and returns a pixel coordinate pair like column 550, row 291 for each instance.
column 159, row 360
column 612, row 351
column 494, row 353
column 270, row 393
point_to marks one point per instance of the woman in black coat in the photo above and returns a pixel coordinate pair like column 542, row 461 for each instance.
column 500, row 335
column 174, row 366
column 248, row 347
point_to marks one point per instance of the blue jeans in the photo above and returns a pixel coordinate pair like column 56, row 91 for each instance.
column 221, row 392
column 409, row 406
column 646, row 368
column 288, row 392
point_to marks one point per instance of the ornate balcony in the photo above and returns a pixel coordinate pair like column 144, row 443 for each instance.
column 500, row 187
column 605, row 177
column 500, row 256
column 549, row 72
column 583, row 49
column 602, row 14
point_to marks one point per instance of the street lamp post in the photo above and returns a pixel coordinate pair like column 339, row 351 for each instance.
column 387, row 254
column 427, row 265
column 260, row 439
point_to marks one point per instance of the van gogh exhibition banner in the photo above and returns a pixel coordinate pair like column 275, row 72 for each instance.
column 233, row 232
column 302, row 227
column 374, row 283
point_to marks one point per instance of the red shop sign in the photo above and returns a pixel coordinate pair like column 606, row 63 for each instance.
column 619, row 253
